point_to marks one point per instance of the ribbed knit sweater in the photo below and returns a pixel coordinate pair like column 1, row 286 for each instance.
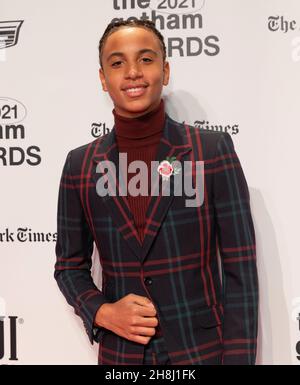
column 139, row 138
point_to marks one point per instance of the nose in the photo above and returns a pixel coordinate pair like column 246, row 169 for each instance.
column 133, row 71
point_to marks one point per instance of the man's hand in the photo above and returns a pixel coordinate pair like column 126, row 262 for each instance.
column 132, row 317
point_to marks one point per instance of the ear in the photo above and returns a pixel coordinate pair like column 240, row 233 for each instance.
column 166, row 73
column 102, row 79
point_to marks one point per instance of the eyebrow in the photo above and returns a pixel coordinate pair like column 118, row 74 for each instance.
column 141, row 51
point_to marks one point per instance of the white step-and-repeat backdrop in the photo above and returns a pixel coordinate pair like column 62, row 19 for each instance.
column 235, row 66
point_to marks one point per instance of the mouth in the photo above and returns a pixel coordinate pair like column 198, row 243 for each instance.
column 135, row 92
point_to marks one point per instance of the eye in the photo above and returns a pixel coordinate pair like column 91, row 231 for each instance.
column 116, row 63
column 147, row 60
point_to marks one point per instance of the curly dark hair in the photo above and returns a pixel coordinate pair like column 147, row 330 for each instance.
column 114, row 25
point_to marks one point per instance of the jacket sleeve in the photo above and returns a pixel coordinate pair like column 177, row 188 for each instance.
column 74, row 248
column 236, row 241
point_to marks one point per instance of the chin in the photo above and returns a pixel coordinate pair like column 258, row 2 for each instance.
column 138, row 105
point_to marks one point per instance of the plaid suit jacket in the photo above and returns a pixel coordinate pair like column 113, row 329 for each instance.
column 207, row 311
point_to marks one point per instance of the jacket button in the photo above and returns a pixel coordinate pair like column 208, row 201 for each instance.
column 148, row 280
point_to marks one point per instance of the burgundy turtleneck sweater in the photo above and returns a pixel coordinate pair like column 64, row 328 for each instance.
column 139, row 138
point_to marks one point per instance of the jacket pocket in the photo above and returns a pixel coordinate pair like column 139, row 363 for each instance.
column 208, row 318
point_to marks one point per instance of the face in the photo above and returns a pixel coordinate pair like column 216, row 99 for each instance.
column 133, row 70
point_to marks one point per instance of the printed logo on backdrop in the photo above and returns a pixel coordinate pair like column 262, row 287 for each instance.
column 281, row 24
column 13, row 130
column 99, row 129
column 25, row 234
column 174, row 15
column 284, row 25
column 8, row 332
column 9, row 35
column 232, row 129
column 296, row 318
column 181, row 6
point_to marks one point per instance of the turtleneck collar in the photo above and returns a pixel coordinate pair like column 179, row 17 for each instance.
column 141, row 128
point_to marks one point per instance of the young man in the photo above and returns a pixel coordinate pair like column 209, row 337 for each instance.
column 162, row 299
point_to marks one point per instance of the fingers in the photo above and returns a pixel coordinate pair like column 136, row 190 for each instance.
column 140, row 300
column 151, row 322
column 143, row 331
column 145, row 311
column 143, row 321
column 141, row 339
column 145, row 308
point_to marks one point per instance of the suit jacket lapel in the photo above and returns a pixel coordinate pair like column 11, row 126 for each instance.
column 117, row 205
column 172, row 143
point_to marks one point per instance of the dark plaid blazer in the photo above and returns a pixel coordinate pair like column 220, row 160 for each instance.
column 207, row 311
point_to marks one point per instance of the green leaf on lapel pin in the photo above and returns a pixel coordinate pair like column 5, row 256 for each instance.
column 176, row 170
column 170, row 159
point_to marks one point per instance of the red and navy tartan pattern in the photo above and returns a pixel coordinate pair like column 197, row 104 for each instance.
column 156, row 352
column 203, row 321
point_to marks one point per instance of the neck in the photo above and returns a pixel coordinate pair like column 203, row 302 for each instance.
column 140, row 127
